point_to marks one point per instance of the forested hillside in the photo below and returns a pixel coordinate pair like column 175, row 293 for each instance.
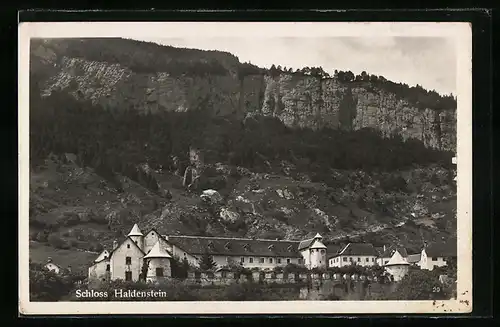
column 97, row 169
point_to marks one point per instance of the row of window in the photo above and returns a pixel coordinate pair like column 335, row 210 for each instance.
column 128, row 274
column 351, row 259
column 263, row 260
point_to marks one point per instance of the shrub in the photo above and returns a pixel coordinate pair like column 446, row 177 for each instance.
column 45, row 285
column 419, row 285
column 56, row 241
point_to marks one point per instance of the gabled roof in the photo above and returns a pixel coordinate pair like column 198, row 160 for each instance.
column 332, row 250
column 358, row 249
column 121, row 243
column 157, row 252
column 442, row 249
column 102, row 256
column 305, row 244
column 51, row 263
column 412, row 258
column 235, row 246
column 318, row 236
column 389, row 251
column 135, row 231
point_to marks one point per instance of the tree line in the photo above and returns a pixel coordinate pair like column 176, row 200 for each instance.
column 117, row 141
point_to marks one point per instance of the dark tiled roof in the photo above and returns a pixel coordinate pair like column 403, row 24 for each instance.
column 359, row 249
column 442, row 249
column 412, row 258
column 380, row 250
column 332, row 250
column 236, row 246
column 306, row 243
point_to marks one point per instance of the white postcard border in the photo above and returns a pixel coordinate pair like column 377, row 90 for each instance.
column 461, row 32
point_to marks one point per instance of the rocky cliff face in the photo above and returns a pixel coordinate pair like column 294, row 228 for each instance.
column 297, row 100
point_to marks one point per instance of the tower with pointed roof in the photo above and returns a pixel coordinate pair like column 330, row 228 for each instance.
column 317, row 253
column 397, row 266
column 137, row 236
column 158, row 263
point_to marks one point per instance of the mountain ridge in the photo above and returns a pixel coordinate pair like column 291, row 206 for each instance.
column 221, row 84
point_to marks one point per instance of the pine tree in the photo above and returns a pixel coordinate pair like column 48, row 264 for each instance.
column 207, row 262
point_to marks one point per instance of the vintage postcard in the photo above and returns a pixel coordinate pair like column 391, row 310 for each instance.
column 249, row 168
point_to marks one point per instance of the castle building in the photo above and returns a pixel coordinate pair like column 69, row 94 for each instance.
column 362, row 254
column 127, row 259
column 150, row 254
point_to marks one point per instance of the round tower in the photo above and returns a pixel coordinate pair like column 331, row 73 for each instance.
column 397, row 266
column 158, row 264
column 318, row 253
column 136, row 236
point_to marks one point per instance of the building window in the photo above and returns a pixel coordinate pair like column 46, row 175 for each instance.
column 108, row 267
column 300, row 261
column 261, row 260
column 350, row 259
column 128, row 260
column 227, row 259
column 223, row 274
column 434, row 259
column 152, row 233
column 242, row 260
column 159, row 272
column 373, row 259
column 359, row 259
column 250, row 260
column 386, row 261
column 279, row 260
column 128, row 246
column 287, row 260
column 128, row 275
column 367, row 259
column 270, row 260
column 344, row 259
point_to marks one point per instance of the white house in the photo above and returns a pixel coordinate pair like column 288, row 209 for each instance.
column 51, row 266
column 437, row 255
column 362, row 254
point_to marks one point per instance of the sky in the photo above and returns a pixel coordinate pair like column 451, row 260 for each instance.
column 427, row 61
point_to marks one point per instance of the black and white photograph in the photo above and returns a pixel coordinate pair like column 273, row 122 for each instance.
column 245, row 168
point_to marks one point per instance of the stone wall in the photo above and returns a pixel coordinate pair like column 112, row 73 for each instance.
column 225, row 278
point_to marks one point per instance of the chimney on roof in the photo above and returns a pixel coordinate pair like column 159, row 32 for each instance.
column 49, row 259
column 115, row 244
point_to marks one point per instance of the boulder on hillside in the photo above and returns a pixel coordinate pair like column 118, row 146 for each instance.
column 211, row 196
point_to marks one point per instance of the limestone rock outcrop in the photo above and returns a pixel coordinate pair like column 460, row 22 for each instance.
column 297, row 100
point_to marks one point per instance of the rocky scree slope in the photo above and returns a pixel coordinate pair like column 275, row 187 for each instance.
column 73, row 208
